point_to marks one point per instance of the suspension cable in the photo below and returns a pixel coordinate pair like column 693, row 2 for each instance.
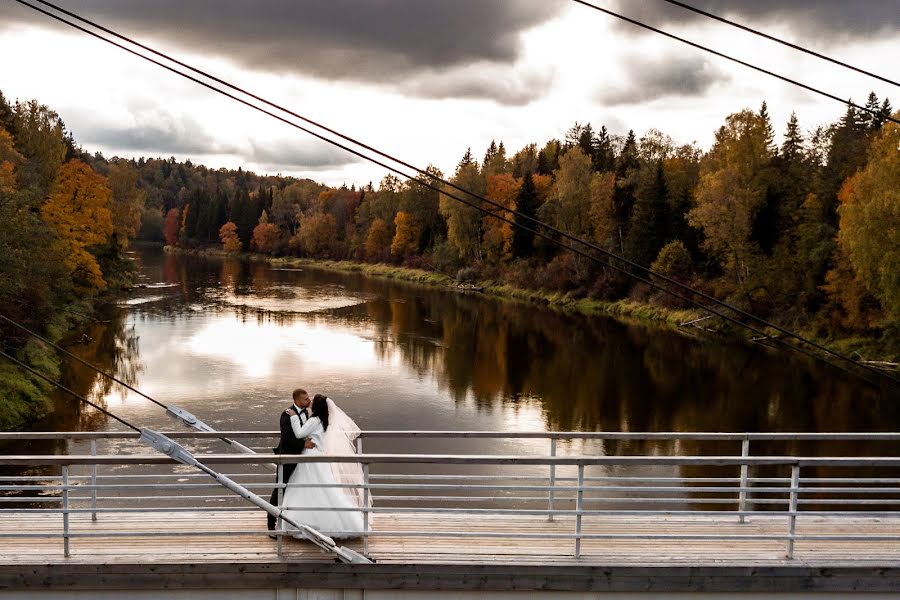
column 430, row 178
column 772, row 38
column 731, row 58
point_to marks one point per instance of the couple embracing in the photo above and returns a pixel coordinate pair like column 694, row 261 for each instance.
column 315, row 427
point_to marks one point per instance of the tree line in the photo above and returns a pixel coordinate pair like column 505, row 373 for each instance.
column 807, row 232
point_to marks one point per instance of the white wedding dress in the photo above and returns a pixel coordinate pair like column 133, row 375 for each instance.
column 315, row 506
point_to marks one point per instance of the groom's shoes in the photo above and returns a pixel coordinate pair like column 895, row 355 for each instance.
column 272, row 535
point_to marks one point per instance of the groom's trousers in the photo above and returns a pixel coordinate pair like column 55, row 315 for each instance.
column 287, row 470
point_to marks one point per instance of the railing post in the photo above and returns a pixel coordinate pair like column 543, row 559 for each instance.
column 65, row 507
column 278, row 481
column 792, row 519
column 94, row 482
column 742, row 494
column 366, row 508
column 552, row 492
column 579, row 506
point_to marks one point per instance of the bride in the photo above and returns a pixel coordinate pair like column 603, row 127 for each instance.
column 332, row 432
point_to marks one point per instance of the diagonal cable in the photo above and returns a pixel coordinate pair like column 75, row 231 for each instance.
column 732, row 59
column 431, row 178
column 777, row 40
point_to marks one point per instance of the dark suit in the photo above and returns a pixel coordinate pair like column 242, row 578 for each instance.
column 288, row 444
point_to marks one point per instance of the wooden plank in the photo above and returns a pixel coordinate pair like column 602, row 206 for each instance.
column 407, row 547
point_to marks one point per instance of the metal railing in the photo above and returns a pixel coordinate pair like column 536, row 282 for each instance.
column 572, row 491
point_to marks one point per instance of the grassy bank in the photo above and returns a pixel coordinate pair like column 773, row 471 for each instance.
column 627, row 309
column 860, row 347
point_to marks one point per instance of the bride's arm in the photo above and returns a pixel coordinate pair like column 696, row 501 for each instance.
column 302, row 431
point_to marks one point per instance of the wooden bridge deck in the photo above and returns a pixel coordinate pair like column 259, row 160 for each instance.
column 407, row 549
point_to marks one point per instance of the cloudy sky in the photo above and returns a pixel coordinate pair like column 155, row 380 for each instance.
column 425, row 79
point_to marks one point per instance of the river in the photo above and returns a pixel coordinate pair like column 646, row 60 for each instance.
column 229, row 339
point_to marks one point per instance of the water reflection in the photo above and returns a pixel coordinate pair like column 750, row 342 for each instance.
column 228, row 340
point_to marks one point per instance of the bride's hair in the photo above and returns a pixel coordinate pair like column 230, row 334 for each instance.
column 320, row 409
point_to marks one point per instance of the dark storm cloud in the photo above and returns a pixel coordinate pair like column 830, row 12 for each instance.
column 816, row 20
column 383, row 41
column 649, row 80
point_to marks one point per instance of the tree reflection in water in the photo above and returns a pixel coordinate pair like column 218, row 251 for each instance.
column 452, row 361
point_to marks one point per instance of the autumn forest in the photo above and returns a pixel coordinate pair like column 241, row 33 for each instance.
column 805, row 232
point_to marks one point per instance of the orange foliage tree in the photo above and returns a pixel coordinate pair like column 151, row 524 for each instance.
column 78, row 209
column 497, row 238
column 230, row 240
column 406, row 236
column 378, row 241
column 265, row 237
column 171, row 226
column 9, row 160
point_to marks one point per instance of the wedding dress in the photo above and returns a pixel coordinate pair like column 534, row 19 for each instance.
column 301, row 502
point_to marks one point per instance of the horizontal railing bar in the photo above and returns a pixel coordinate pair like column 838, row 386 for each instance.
column 623, row 499
column 267, row 474
column 779, row 514
column 454, row 459
column 850, row 501
column 585, row 435
column 482, row 534
column 14, row 499
column 424, row 476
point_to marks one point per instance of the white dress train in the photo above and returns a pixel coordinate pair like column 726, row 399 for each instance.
column 335, row 523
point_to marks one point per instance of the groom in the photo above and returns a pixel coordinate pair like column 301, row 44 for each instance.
column 288, row 443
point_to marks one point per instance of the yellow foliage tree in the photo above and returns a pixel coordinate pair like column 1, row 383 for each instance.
column 869, row 233
column 127, row 202
column 406, row 236
column 316, row 235
column 230, row 240
column 603, row 210
column 78, row 210
column 378, row 240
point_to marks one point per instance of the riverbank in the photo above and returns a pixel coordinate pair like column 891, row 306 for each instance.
column 26, row 399
column 622, row 309
column 683, row 320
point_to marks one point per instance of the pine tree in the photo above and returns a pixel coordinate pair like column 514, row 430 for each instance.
column 573, row 135
column 792, row 147
column 543, row 165
column 191, row 217
column 602, row 157
column 647, row 230
column 6, row 115
column 623, row 195
column 244, row 215
column 770, row 131
column 871, row 115
column 884, row 112
column 466, row 160
column 491, row 153
column 586, row 140
column 526, row 205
